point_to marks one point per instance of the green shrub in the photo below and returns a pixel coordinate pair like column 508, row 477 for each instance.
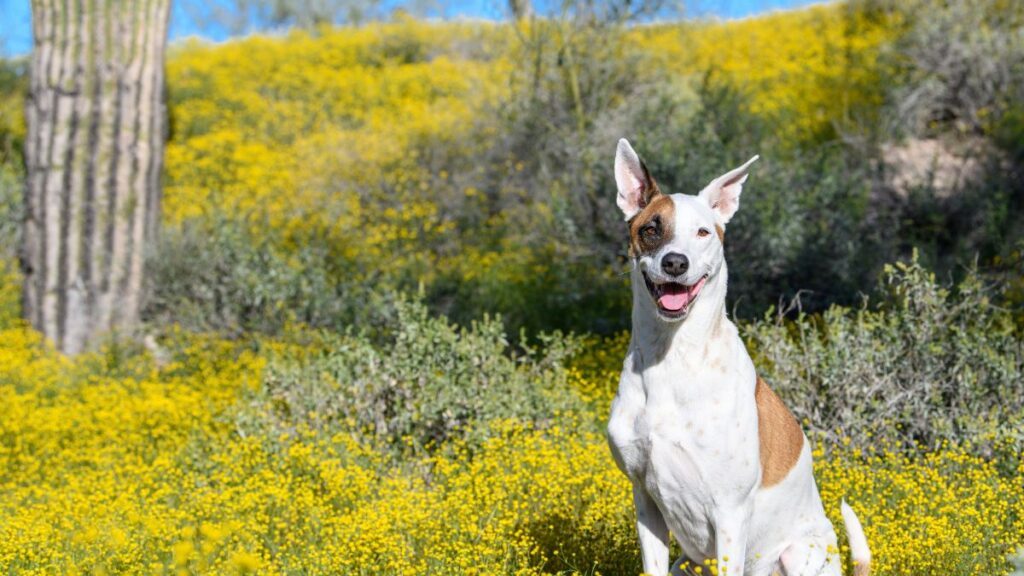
column 222, row 275
column 413, row 382
column 10, row 293
column 11, row 190
column 958, row 64
column 927, row 364
column 1008, row 131
column 13, row 88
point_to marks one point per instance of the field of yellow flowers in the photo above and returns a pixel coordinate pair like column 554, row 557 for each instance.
column 147, row 461
column 121, row 462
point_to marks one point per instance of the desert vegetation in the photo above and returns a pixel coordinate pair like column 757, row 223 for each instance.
column 386, row 312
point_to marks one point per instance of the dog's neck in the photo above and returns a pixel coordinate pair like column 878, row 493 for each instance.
column 654, row 338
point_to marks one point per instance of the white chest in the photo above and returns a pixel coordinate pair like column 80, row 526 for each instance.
column 686, row 430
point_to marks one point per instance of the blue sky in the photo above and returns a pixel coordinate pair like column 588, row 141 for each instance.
column 16, row 32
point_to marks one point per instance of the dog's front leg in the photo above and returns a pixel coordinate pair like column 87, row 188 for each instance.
column 731, row 542
column 653, row 531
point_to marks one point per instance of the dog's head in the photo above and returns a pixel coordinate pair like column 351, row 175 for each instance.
column 676, row 241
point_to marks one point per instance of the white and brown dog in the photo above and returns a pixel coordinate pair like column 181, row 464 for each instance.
column 714, row 455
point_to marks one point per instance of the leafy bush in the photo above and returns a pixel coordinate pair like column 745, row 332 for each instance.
column 415, row 381
column 13, row 87
column 927, row 364
column 13, row 90
column 11, row 190
column 233, row 277
column 10, row 294
column 958, row 65
column 12, row 133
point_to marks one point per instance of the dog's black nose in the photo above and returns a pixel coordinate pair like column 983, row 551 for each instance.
column 675, row 263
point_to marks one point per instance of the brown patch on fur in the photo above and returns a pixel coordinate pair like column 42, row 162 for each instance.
column 862, row 569
column 721, row 233
column 661, row 212
column 780, row 435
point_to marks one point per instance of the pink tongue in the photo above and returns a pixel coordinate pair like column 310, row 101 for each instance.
column 675, row 298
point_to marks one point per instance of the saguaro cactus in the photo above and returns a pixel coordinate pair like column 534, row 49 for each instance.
column 96, row 118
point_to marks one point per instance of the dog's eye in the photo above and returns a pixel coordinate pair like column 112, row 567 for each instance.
column 649, row 231
column 703, row 232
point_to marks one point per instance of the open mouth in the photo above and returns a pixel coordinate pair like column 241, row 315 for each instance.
column 674, row 299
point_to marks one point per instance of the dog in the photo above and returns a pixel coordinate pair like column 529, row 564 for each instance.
column 713, row 454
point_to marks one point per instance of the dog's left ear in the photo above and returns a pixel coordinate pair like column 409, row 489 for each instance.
column 723, row 194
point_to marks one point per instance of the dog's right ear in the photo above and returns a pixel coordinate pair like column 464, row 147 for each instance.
column 636, row 187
